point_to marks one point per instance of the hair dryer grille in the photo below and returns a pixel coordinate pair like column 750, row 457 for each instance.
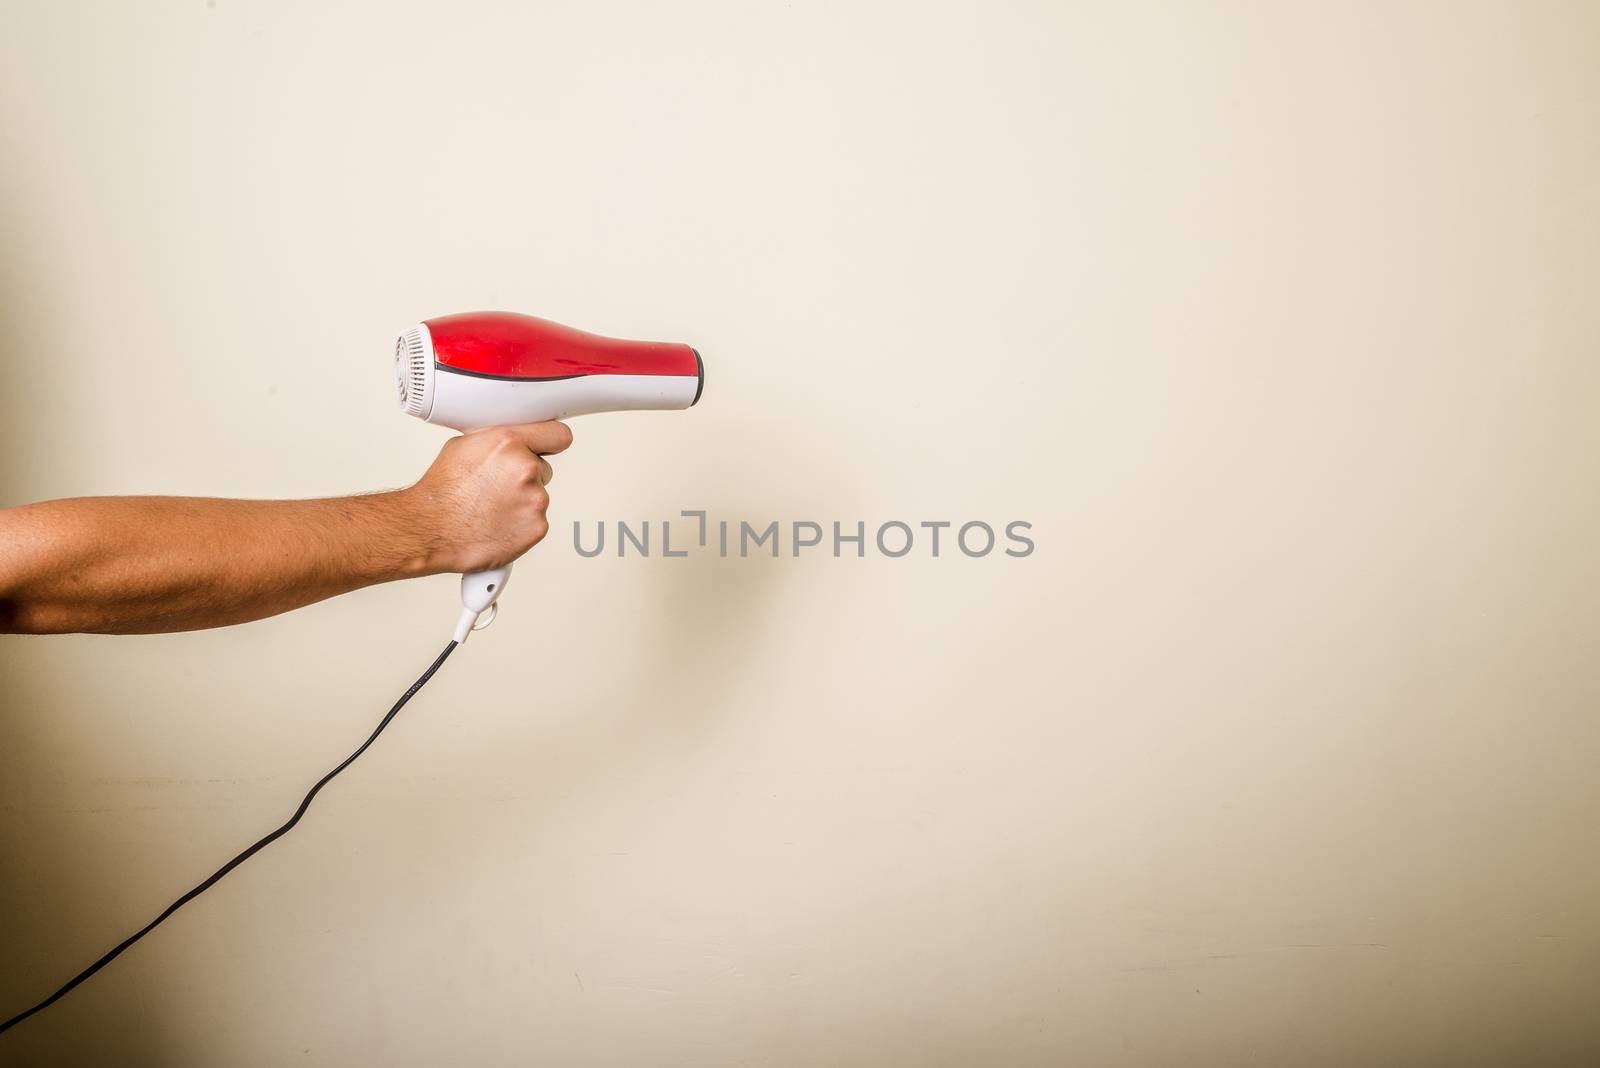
column 413, row 365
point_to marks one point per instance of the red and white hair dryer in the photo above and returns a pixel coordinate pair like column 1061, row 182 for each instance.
column 483, row 369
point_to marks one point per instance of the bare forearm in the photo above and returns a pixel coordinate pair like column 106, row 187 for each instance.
column 137, row 565
column 126, row 565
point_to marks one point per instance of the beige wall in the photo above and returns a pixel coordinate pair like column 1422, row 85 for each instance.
column 1278, row 322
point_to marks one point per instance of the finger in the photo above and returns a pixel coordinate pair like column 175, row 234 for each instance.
column 543, row 438
column 546, row 472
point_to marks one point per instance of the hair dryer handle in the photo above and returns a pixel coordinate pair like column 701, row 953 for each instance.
column 479, row 592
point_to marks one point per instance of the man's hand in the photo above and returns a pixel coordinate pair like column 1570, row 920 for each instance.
column 485, row 496
column 124, row 565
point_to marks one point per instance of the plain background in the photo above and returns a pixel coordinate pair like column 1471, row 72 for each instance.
column 1278, row 322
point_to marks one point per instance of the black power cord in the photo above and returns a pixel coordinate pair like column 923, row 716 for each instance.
column 236, row 861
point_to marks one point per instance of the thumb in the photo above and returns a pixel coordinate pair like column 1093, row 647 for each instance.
column 542, row 439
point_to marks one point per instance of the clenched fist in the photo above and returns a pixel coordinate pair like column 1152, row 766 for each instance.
column 483, row 500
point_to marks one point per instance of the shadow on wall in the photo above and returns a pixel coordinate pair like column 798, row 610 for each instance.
column 57, row 890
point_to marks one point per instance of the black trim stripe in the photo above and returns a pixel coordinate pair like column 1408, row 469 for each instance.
column 437, row 366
